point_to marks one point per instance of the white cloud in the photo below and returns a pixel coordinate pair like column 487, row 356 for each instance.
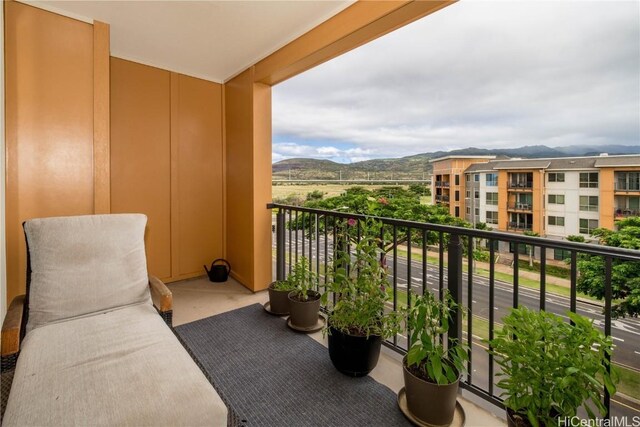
column 483, row 74
column 287, row 150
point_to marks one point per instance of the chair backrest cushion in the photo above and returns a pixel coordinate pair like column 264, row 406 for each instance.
column 85, row 264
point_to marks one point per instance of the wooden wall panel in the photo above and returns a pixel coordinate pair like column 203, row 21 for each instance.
column 239, row 181
column 197, row 201
column 49, row 124
column 140, row 154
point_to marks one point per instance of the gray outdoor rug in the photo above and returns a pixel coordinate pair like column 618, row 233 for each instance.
column 271, row 376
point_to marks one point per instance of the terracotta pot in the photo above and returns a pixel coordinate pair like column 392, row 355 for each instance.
column 354, row 355
column 304, row 314
column 278, row 300
column 432, row 403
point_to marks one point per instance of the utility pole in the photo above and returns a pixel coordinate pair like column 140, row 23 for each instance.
column 340, row 176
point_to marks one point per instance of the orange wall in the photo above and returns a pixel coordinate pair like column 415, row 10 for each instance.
column 166, row 162
column 141, row 154
column 240, row 191
column 49, row 62
column 197, row 175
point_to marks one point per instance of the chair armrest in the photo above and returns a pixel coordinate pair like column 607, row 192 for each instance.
column 162, row 299
column 11, row 327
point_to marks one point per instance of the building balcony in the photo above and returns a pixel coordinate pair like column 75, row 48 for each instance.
column 520, row 207
column 520, row 185
column 519, row 226
column 447, row 267
column 442, row 184
column 627, row 187
column 620, row 213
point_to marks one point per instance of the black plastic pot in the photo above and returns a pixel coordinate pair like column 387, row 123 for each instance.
column 354, row 355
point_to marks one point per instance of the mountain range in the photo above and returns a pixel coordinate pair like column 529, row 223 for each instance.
column 417, row 166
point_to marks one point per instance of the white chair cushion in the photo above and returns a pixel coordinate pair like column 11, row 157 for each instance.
column 85, row 264
column 119, row 368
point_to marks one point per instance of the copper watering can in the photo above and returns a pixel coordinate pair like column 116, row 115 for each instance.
column 218, row 272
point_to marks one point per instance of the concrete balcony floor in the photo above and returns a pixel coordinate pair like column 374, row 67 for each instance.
column 199, row 298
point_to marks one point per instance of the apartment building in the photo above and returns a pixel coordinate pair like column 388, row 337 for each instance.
column 555, row 197
column 447, row 181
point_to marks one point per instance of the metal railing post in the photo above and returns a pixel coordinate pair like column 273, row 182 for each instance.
column 280, row 244
column 454, row 273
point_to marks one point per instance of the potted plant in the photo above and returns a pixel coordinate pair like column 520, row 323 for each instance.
column 357, row 322
column 304, row 302
column 550, row 367
column 279, row 296
column 431, row 370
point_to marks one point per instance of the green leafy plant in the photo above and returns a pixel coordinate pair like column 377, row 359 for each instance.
column 550, row 368
column 359, row 281
column 302, row 279
column 427, row 358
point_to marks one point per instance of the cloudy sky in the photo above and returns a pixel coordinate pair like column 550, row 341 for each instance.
column 475, row 74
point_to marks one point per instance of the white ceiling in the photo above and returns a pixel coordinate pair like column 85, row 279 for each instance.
column 213, row 40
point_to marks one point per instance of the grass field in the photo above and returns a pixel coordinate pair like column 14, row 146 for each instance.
column 301, row 190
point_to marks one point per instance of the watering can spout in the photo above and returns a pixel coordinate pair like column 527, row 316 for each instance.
column 206, row 269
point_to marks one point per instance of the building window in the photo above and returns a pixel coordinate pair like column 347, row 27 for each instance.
column 588, row 179
column 589, row 203
column 457, row 196
column 588, row 225
column 468, row 194
column 494, row 243
column 492, row 198
column 556, row 199
column 457, row 211
column 492, row 217
column 556, row 220
column 561, row 254
column 476, row 178
column 492, row 180
column 477, row 211
column 468, row 177
column 468, row 210
column 457, row 179
column 627, row 181
column 556, row 177
column 476, row 194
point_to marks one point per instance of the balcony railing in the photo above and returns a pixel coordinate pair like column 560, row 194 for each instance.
column 520, row 185
column 625, row 213
column 520, row 206
column 444, row 184
column 313, row 233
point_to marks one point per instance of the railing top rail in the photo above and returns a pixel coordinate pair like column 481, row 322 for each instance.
column 591, row 249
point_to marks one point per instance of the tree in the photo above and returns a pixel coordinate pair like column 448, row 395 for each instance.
column 625, row 275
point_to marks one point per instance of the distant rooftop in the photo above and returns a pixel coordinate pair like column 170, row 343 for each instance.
column 461, row 157
column 559, row 163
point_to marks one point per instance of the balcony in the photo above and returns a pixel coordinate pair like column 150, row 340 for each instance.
column 442, row 184
column 520, row 207
column 424, row 256
column 620, row 213
column 519, row 226
column 627, row 187
column 520, row 185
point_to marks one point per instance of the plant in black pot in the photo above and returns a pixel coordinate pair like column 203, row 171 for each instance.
column 279, row 296
column 432, row 370
column 358, row 321
column 304, row 302
column 550, row 368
